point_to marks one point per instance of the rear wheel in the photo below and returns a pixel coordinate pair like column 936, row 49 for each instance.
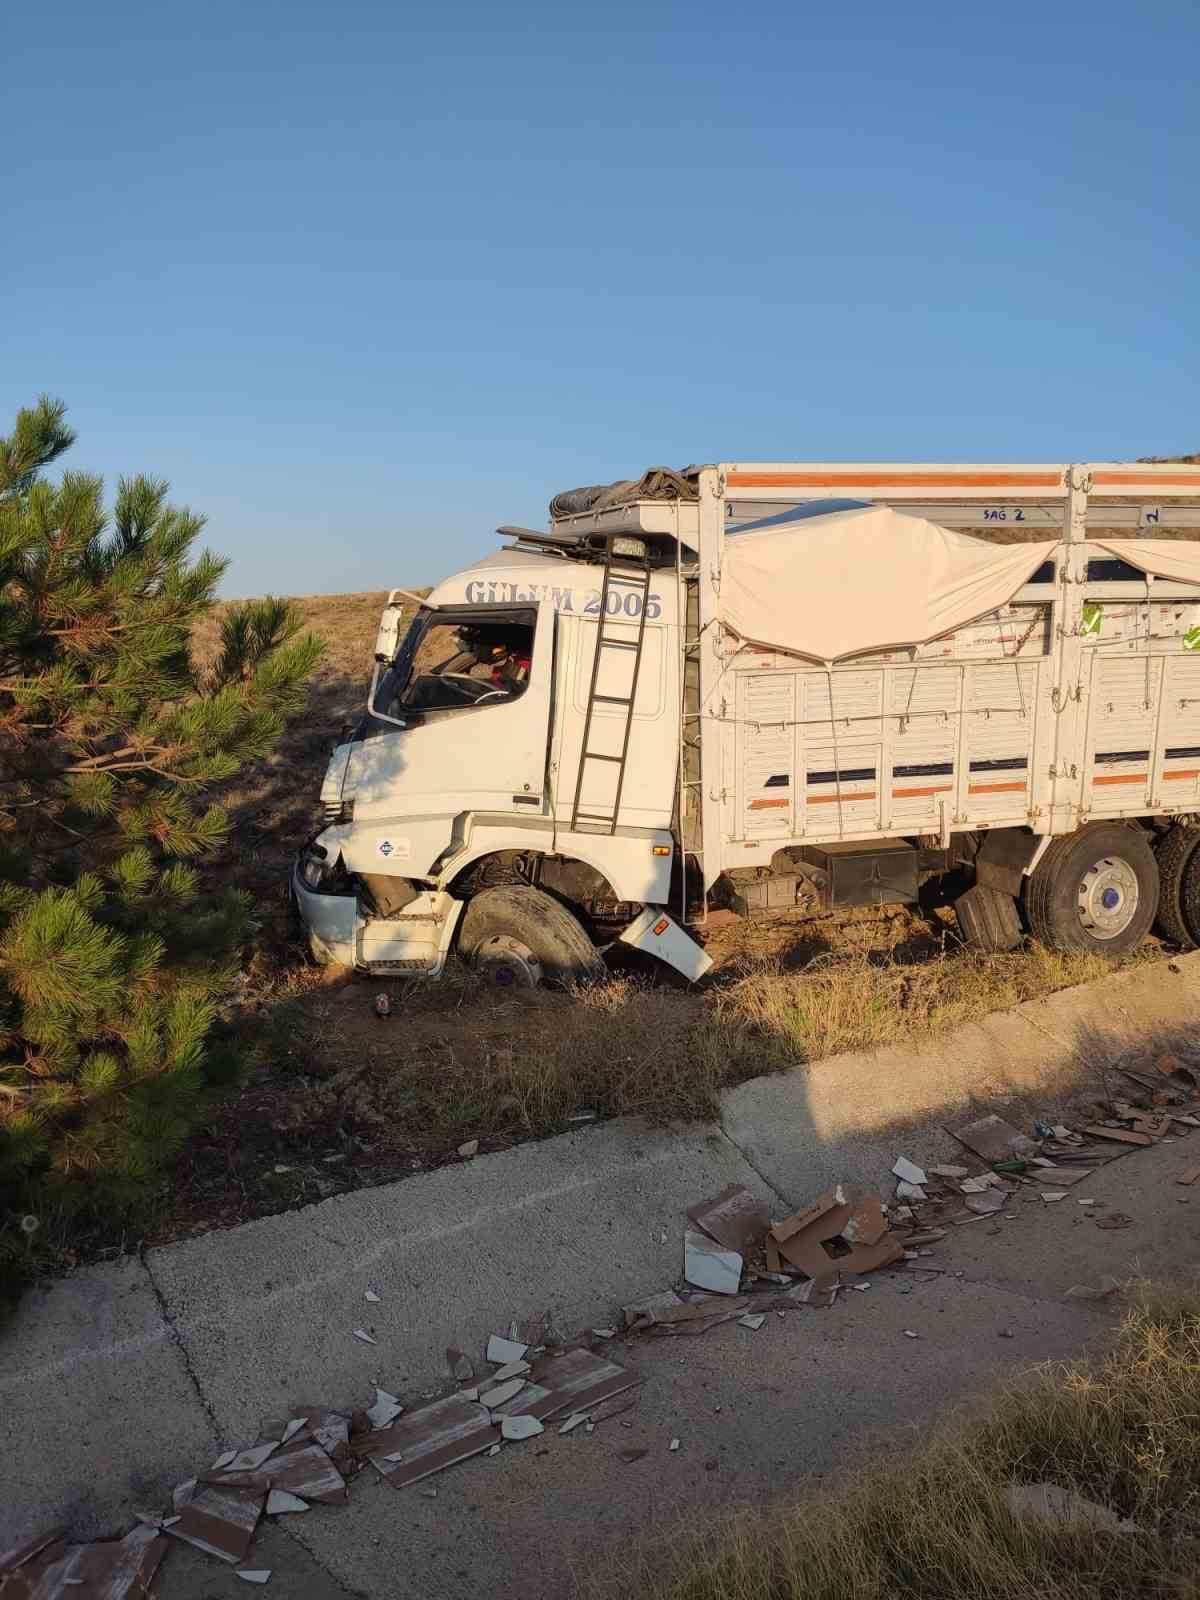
column 1095, row 890
column 1174, row 856
column 520, row 937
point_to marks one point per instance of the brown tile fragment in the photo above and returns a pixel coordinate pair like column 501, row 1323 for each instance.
column 221, row 1520
column 734, row 1218
column 1097, row 1130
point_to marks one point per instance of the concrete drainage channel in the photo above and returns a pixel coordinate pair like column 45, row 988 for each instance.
column 156, row 1368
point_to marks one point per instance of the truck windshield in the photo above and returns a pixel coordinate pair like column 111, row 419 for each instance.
column 452, row 660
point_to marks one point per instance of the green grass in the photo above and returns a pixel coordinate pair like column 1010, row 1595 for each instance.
column 1123, row 1431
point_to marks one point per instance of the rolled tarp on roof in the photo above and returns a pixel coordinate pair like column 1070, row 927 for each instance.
column 1160, row 558
column 855, row 581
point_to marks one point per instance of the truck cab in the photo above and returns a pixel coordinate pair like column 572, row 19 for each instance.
column 516, row 764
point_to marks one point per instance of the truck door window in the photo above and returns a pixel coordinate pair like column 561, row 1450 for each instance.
column 465, row 660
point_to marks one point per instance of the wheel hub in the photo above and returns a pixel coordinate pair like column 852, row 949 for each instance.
column 1108, row 897
column 508, row 962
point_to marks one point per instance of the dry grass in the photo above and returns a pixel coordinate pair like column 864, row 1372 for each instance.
column 459, row 1061
column 854, row 1001
column 468, row 1067
column 1124, row 1431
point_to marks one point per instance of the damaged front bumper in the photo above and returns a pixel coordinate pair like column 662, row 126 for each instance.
column 331, row 920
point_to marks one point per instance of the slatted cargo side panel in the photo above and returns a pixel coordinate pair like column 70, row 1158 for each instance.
column 1123, row 709
column 841, row 751
column 766, row 776
column 1000, row 708
column 1179, row 735
column 923, row 701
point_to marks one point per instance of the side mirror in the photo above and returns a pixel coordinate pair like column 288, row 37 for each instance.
column 388, row 636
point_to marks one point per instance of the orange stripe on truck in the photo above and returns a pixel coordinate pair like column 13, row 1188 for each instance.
column 769, row 805
column 1122, row 777
column 1190, row 772
column 884, row 480
column 997, row 788
column 833, row 799
column 1157, row 477
column 937, row 788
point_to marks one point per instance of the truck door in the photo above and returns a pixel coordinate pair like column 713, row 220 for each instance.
column 474, row 691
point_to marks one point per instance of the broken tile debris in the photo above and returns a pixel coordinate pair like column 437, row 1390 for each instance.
column 48, row 1568
column 520, row 1427
column 539, row 1376
column 430, row 1438
column 735, row 1218
column 709, row 1265
column 220, row 1519
column 280, row 1501
column 994, row 1139
column 386, row 1409
column 501, row 1350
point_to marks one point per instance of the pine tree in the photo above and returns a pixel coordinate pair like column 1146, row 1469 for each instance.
column 113, row 954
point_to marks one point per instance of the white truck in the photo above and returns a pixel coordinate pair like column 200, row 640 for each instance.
column 781, row 688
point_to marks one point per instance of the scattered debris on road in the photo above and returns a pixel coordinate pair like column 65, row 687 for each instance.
column 738, row 1265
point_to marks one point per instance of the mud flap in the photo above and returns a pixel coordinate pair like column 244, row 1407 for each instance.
column 656, row 934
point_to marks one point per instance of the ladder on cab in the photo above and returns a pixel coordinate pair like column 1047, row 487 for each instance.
column 632, row 579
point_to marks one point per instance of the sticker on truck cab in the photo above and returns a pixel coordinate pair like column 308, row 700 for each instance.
column 583, row 602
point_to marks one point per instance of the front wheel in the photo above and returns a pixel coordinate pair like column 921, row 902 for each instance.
column 1095, row 891
column 520, row 937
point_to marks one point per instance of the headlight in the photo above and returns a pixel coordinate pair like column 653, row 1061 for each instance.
column 314, row 864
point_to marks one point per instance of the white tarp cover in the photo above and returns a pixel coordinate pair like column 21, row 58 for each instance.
column 1162, row 558
column 872, row 579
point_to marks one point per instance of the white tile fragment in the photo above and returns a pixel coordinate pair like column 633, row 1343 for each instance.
column 361, row 1333
column 510, row 1369
column 520, row 1427
column 707, row 1265
column 249, row 1460
column 573, row 1421
column 386, row 1409
column 501, row 1393
column 908, row 1171
column 500, row 1349
column 752, row 1320
column 254, row 1575
column 371, row 1297
column 282, row 1500
column 674, row 1445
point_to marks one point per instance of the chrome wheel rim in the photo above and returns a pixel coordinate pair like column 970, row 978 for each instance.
column 1108, row 898
column 508, row 962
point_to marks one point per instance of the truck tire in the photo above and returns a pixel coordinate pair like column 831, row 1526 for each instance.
column 988, row 920
column 1189, row 901
column 1174, row 857
column 521, row 937
column 1094, row 890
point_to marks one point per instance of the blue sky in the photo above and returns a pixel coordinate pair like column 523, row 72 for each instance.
column 365, row 279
